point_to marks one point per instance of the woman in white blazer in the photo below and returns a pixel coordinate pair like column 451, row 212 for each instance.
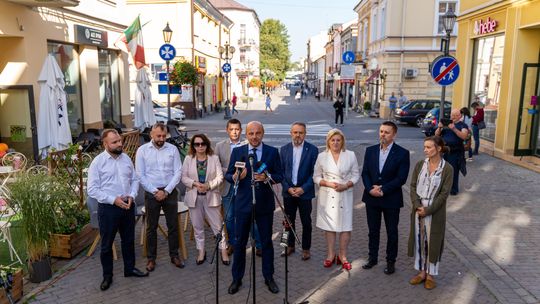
column 202, row 175
column 336, row 173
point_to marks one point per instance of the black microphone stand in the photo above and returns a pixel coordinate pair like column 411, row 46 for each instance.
column 253, row 249
column 219, row 237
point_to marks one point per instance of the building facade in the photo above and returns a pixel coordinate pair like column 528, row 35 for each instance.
column 81, row 36
column 315, row 51
column 397, row 49
column 499, row 54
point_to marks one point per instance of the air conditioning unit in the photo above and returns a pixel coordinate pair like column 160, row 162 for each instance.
column 410, row 73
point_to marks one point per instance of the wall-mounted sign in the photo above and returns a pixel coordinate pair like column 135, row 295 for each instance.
column 200, row 64
column 90, row 36
column 485, row 27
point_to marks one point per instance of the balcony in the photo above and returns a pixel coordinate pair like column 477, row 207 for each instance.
column 46, row 3
column 245, row 42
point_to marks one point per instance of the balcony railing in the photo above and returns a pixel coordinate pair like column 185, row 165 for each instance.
column 246, row 42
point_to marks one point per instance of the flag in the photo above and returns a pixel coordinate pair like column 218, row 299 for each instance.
column 132, row 38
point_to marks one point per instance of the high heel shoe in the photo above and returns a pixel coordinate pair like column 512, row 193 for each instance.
column 346, row 265
column 225, row 262
column 329, row 263
column 199, row 262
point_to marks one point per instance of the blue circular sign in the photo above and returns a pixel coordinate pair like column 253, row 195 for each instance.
column 445, row 70
column 226, row 68
column 348, row 57
column 167, row 52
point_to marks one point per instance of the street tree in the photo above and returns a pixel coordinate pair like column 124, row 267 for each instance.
column 274, row 45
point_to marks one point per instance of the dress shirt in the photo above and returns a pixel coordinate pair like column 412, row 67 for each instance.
column 158, row 167
column 297, row 156
column 383, row 155
column 110, row 177
column 235, row 145
column 258, row 151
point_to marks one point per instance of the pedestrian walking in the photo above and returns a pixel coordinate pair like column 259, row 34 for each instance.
column 113, row 182
column 385, row 171
column 336, row 172
column 159, row 169
column 392, row 104
column 298, row 160
column 453, row 134
column 431, row 182
column 467, row 119
column 298, row 96
column 234, row 101
column 339, row 105
column 478, row 123
column 268, row 100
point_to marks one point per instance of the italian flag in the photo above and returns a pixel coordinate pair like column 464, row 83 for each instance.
column 133, row 40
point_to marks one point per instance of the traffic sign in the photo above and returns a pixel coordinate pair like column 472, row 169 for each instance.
column 445, row 70
column 163, row 76
column 348, row 57
column 167, row 52
column 174, row 89
column 226, row 68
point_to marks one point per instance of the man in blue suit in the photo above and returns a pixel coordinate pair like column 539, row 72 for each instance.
column 298, row 160
column 385, row 171
column 264, row 206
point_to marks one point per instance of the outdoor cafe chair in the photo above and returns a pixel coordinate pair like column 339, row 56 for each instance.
column 6, row 214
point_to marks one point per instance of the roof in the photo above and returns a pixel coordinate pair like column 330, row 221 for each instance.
column 229, row 4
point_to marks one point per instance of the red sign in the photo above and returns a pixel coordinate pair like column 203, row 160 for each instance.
column 485, row 27
column 347, row 80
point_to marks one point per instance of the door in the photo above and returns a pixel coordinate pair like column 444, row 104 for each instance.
column 109, row 87
column 528, row 130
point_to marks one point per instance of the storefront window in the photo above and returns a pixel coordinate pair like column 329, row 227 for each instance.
column 109, row 86
column 67, row 57
column 486, row 80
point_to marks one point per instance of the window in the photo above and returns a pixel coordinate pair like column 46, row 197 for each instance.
column 67, row 57
column 364, row 40
column 444, row 6
column 383, row 22
column 373, row 26
column 109, row 86
column 243, row 33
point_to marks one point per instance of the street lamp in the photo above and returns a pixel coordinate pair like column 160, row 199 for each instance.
column 448, row 21
column 167, row 35
column 226, row 53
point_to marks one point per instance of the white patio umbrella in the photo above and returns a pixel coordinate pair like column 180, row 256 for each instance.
column 53, row 125
column 143, row 108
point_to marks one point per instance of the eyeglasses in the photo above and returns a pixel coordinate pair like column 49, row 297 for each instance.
column 199, row 144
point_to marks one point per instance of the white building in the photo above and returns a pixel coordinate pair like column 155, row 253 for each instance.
column 315, row 50
column 245, row 39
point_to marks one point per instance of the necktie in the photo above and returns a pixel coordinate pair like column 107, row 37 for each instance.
column 254, row 151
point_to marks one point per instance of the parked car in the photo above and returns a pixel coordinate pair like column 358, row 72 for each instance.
column 416, row 109
column 160, row 112
column 431, row 121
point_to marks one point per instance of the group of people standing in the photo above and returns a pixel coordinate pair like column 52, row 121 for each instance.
column 222, row 177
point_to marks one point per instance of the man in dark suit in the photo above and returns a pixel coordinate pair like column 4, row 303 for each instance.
column 298, row 160
column 385, row 171
column 264, row 206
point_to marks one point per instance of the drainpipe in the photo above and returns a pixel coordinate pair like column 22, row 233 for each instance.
column 193, row 87
column 403, row 10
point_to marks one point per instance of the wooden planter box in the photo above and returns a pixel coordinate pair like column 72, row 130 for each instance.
column 16, row 290
column 69, row 245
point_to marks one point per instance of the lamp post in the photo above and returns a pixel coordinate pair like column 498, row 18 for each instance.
column 167, row 35
column 448, row 21
column 226, row 53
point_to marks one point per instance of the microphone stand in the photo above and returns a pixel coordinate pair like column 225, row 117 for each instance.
column 219, row 237
column 284, row 239
column 253, row 249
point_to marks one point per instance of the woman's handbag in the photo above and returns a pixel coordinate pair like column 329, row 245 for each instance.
column 481, row 125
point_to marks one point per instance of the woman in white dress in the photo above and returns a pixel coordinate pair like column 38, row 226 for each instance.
column 336, row 172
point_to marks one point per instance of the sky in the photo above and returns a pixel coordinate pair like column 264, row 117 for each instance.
column 303, row 18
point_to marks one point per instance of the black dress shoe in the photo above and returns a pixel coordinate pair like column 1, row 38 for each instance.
column 107, row 281
column 369, row 264
column 272, row 286
column 234, row 287
column 136, row 273
column 390, row 268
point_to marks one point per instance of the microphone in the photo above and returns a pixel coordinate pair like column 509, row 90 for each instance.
column 262, row 168
column 284, row 242
column 239, row 165
column 251, row 157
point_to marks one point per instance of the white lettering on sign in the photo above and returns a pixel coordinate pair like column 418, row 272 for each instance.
column 481, row 27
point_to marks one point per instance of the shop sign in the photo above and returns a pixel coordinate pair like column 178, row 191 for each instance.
column 200, row 64
column 485, row 27
column 90, row 36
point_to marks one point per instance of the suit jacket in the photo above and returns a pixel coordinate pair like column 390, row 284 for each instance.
column 214, row 178
column 305, row 170
column 263, row 194
column 392, row 178
column 223, row 151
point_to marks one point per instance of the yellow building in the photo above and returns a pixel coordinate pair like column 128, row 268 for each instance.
column 499, row 53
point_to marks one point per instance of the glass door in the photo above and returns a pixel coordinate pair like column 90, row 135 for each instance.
column 528, row 131
column 109, row 90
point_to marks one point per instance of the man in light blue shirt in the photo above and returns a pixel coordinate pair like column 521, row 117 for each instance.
column 112, row 181
column 159, row 169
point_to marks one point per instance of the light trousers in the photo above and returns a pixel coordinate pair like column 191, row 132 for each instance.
column 212, row 215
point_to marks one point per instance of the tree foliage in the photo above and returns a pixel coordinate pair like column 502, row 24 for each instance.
column 184, row 73
column 274, row 45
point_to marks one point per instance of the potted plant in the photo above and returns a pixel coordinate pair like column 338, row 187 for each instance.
column 34, row 197
column 12, row 287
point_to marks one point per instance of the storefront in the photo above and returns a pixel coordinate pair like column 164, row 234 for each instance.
column 499, row 52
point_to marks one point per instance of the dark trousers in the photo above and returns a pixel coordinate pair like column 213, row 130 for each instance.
column 230, row 222
column 113, row 219
column 476, row 136
column 339, row 114
column 391, row 221
column 454, row 159
column 304, row 207
column 243, row 228
column 170, row 210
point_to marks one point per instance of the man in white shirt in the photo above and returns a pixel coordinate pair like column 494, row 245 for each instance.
column 112, row 181
column 159, row 168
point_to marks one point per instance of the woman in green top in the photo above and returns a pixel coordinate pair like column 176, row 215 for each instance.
column 430, row 186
